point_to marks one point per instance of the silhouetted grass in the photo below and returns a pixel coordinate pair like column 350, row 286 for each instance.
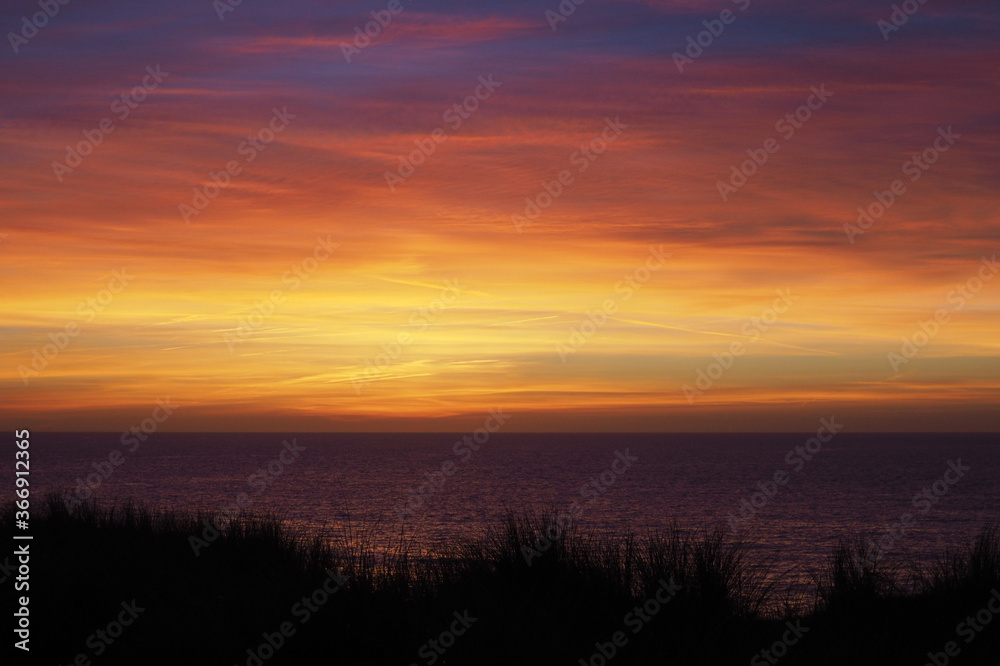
column 971, row 568
column 856, row 577
column 539, row 593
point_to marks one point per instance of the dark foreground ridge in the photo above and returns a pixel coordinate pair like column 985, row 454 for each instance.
column 123, row 585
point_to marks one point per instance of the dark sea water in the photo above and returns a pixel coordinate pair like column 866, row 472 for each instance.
column 854, row 483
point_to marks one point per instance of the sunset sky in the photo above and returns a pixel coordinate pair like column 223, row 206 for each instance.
column 269, row 308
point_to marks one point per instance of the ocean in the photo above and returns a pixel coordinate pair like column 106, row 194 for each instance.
column 792, row 493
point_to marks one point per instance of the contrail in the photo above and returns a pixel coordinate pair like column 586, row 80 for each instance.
column 728, row 335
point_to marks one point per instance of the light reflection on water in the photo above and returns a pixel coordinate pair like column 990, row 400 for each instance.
column 854, row 484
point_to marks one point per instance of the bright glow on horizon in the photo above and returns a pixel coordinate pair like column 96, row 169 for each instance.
column 184, row 326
